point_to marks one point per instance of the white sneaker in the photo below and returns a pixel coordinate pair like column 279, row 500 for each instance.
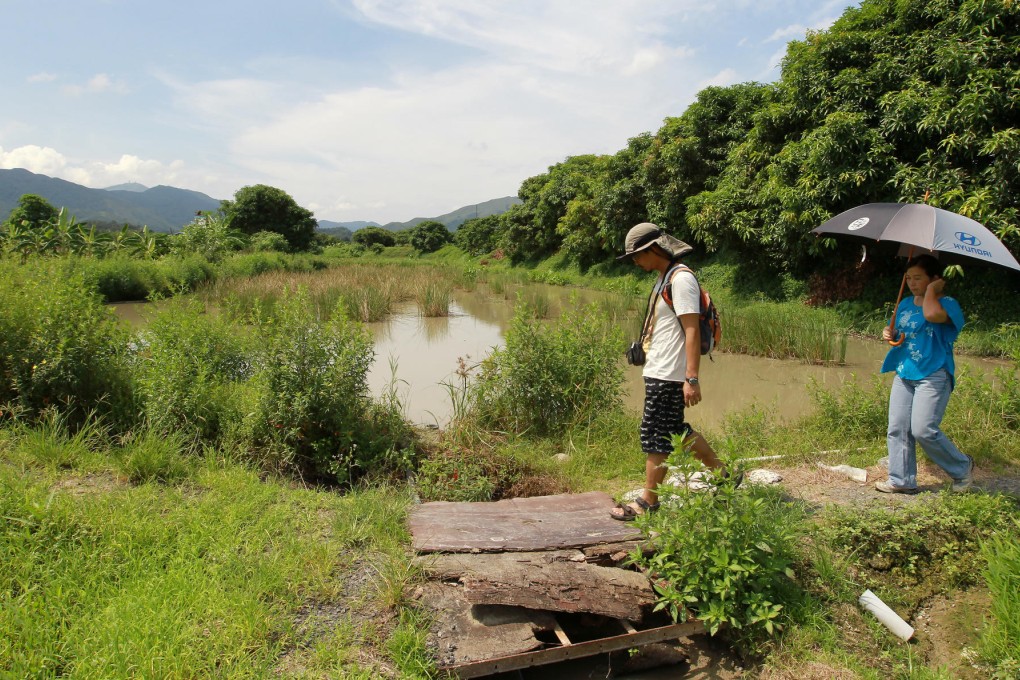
column 889, row 487
column 961, row 485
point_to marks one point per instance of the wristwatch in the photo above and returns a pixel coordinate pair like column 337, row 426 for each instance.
column 692, row 381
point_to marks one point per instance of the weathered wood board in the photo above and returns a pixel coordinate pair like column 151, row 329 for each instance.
column 559, row 581
column 550, row 581
column 518, row 524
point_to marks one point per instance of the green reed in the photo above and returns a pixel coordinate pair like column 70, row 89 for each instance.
column 434, row 299
column 536, row 301
column 784, row 332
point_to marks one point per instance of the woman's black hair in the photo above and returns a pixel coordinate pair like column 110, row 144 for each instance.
column 928, row 263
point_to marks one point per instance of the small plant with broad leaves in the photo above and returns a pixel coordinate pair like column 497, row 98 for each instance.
column 722, row 553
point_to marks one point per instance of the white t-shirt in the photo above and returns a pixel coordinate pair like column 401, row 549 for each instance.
column 665, row 357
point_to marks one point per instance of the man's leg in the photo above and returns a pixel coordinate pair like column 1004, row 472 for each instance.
column 655, row 474
column 703, row 451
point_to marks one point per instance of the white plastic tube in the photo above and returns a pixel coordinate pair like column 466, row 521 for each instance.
column 887, row 616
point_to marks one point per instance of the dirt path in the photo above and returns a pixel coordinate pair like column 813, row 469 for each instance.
column 818, row 487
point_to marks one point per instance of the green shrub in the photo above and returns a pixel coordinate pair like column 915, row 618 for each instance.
column 121, row 278
column 550, row 377
column 454, row 478
column 724, row 553
column 853, row 411
column 60, row 347
column 936, row 540
column 269, row 241
column 314, row 399
column 186, row 363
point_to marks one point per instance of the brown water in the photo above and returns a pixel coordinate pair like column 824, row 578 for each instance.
column 416, row 355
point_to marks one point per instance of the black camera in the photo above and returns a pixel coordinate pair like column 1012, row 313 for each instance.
column 635, row 354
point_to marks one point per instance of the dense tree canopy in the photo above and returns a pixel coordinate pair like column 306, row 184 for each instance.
column 32, row 212
column 374, row 235
column 265, row 208
column 429, row 236
column 478, row 235
column 899, row 99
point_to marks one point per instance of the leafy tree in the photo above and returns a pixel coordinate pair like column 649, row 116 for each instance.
column 369, row 236
column 429, row 236
column 478, row 235
column 33, row 212
column 402, row 237
column 265, row 208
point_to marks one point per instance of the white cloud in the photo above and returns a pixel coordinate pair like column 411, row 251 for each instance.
column 798, row 31
column 542, row 88
column 42, row 77
column 101, row 82
column 41, row 159
column 603, row 35
column 128, row 168
column 791, row 32
column 725, row 77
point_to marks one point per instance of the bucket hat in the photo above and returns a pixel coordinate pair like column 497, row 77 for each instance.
column 645, row 235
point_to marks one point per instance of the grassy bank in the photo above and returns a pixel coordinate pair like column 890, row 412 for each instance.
column 217, row 571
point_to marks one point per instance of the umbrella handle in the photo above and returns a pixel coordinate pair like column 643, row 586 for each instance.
column 895, row 342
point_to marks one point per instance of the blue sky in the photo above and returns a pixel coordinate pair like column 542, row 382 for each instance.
column 364, row 109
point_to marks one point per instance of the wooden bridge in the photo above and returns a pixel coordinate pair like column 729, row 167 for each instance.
column 532, row 581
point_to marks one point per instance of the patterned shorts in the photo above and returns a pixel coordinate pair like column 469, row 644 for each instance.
column 663, row 416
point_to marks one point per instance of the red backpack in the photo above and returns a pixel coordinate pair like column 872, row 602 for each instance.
column 708, row 316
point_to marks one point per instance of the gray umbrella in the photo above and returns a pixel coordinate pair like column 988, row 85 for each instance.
column 922, row 227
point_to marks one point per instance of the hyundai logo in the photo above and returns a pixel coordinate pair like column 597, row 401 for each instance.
column 968, row 239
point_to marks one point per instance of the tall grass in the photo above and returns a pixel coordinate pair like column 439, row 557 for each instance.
column 434, row 299
column 367, row 292
column 1001, row 639
column 784, row 331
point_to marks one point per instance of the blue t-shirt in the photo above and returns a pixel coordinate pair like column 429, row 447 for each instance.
column 928, row 346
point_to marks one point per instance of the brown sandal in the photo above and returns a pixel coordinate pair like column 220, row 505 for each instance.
column 629, row 514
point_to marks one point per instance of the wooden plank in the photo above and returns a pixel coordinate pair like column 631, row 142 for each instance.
column 518, row 524
column 454, row 566
column 561, row 635
column 548, row 581
column 579, row 650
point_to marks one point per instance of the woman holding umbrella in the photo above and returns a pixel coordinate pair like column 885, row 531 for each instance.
column 929, row 322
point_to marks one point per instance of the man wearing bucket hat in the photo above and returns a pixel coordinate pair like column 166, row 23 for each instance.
column 671, row 348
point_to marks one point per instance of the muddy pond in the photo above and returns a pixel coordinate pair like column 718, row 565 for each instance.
column 416, row 355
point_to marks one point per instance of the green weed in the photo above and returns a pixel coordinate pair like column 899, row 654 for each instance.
column 724, row 554
column 550, row 377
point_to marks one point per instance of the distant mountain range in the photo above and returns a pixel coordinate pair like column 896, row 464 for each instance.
column 168, row 209
column 162, row 208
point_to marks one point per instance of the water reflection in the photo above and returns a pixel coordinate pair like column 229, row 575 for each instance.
column 425, row 352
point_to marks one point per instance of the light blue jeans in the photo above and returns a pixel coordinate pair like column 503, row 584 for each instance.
column 916, row 408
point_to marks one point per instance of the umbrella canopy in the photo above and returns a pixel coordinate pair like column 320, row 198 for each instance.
column 922, row 226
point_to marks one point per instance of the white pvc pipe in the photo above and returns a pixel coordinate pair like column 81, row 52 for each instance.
column 887, row 616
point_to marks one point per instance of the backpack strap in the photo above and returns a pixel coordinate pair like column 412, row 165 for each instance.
column 667, row 290
column 662, row 288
